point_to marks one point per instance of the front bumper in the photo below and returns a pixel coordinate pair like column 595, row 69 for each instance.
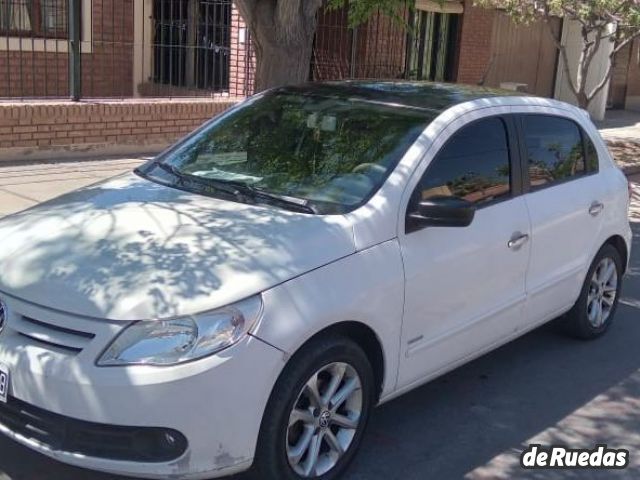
column 217, row 403
column 113, row 442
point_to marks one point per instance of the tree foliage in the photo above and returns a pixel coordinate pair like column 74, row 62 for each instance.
column 615, row 21
column 361, row 10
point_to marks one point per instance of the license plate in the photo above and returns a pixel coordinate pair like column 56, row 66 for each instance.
column 4, row 383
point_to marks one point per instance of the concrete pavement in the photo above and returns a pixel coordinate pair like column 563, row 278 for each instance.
column 470, row 424
column 620, row 125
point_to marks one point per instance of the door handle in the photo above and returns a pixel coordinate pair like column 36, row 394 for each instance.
column 517, row 241
column 596, row 209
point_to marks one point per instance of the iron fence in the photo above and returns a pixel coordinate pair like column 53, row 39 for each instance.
column 123, row 49
column 185, row 48
column 413, row 44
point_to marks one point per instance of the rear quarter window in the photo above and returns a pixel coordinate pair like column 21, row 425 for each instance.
column 593, row 160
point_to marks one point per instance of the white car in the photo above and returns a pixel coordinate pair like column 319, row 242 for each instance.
column 245, row 299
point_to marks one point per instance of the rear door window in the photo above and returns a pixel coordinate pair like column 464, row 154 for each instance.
column 555, row 150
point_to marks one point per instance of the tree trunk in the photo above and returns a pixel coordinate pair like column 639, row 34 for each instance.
column 278, row 65
column 583, row 100
column 282, row 32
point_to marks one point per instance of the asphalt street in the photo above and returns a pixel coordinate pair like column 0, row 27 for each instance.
column 474, row 422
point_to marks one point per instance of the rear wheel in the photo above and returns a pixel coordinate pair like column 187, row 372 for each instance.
column 317, row 414
column 594, row 311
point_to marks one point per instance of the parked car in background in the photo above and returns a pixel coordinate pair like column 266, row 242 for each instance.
column 245, row 299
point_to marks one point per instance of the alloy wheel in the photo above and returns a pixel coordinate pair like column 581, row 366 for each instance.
column 603, row 291
column 324, row 420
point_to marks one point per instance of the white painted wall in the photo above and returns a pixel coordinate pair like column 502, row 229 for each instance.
column 572, row 39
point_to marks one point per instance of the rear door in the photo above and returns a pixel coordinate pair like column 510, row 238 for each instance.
column 566, row 200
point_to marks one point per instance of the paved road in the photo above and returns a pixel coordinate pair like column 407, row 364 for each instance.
column 474, row 422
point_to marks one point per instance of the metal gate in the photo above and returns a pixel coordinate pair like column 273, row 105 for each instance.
column 192, row 43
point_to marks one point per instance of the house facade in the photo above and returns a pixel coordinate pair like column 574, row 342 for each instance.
column 186, row 48
column 129, row 48
column 34, row 47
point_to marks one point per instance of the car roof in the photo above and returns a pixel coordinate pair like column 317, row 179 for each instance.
column 428, row 96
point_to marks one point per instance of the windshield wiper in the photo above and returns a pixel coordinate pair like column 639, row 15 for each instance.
column 284, row 201
column 185, row 178
column 240, row 190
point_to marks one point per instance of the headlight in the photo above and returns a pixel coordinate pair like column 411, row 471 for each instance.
column 169, row 342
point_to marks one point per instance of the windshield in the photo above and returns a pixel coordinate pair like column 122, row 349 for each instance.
column 324, row 153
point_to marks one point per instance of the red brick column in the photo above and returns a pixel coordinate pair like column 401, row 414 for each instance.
column 475, row 43
column 242, row 63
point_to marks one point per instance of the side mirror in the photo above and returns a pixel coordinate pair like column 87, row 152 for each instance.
column 440, row 212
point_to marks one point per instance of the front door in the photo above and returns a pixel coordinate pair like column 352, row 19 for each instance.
column 465, row 287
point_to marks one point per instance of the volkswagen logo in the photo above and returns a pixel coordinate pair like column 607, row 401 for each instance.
column 3, row 315
column 325, row 419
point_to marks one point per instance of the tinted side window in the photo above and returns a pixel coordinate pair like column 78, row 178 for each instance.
column 554, row 149
column 473, row 165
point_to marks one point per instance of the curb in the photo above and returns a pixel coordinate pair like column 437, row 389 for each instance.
column 79, row 152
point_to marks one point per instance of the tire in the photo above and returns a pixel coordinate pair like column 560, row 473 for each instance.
column 280, row 453
column 583, row 321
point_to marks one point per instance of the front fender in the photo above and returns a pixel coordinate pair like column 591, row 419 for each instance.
column 366, row 287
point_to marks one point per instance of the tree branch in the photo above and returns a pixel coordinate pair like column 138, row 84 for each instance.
column 625, row 42
column 610, row 69
column 592, row 47
column 602, row 84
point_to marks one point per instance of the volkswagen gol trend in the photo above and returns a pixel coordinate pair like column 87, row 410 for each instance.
column 245, row 299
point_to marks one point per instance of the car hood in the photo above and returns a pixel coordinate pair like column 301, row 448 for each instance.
column 130, row 249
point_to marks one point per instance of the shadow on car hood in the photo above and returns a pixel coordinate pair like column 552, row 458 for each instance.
column 129, row 249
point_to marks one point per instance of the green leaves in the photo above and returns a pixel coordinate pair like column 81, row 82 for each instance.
column 361, row 10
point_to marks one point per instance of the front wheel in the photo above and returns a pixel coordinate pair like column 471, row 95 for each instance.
column 593, row 313
column 317, row 414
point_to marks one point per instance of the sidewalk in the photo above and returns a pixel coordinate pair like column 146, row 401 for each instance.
column 620, row 125
column 621, row 130
column 22, row 186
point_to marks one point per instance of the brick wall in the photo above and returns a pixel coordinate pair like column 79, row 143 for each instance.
column 242, row 64
column 382, row 47
column 332, row 46
column 29, row 128
column 31, row 74
column 475, row 43
column 107, row 71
